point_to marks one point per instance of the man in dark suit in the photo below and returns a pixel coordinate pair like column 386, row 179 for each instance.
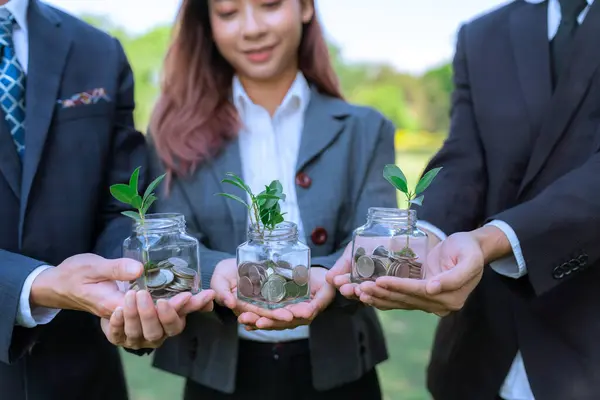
column 518, row 279
column 66, row 134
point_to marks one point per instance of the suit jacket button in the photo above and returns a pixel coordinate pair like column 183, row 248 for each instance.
column 319, row 236
column 558, row 273
column 303, row 180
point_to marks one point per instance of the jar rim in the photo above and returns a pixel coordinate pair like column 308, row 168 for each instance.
column 160, row 222
column 280, row 232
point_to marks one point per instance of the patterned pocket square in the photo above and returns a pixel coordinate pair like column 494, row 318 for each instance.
column 90, row 97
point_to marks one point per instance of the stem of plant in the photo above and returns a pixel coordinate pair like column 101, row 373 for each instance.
column 145, row 255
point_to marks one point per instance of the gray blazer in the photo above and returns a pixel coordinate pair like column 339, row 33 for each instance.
column 343, row 151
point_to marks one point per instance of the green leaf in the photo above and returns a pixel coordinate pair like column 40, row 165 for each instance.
column 240, row 181
column 426, row 180
column 122, row 193
column 153, row 185
column 276, row 187
column 267, row 200
column 395, row 176
column 136, row 202
column 147, row 203
column 133, row 181
column 131, row 214
column 418, row 200
column 234, row 197
column 235, row 183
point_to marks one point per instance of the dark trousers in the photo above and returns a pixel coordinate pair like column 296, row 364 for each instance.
column 269, row 371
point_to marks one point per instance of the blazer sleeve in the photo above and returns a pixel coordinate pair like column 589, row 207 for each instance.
column 455, row 201
column 14, row 340
column 128, row 152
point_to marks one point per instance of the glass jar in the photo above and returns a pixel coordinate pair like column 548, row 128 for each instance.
column 273, row 267
column 388, row 244
column 170, row 256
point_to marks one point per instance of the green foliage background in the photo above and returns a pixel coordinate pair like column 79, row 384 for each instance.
column 418, row 105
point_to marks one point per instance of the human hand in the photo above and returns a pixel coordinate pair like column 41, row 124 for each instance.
column 84, row 282
column 321, row 293
column 339, row 276
column 453, row 269
column 224, row 283
column 140, row 324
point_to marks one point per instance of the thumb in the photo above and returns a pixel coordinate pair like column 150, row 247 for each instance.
column 455, row 278
column 121, row 269
column 341, row 267
column 222, row 287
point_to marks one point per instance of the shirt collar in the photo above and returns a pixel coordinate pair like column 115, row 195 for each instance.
column 590, row 2
column 18, row 8
column 298, row 95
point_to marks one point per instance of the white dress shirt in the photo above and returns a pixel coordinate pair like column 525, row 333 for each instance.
column 516, row 385
column 26, row 316
column 269, row 151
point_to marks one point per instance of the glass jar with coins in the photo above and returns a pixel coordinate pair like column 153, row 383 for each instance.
column 273, row 267
column 170, row 256
column 389, row 244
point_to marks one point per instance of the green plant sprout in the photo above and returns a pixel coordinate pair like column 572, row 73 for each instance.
column 263, row 208
column 394, row 175
column 128, row 194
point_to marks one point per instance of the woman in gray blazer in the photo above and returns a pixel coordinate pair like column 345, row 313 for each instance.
column 249, row 89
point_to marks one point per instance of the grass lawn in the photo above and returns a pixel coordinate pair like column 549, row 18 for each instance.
column 408, row 333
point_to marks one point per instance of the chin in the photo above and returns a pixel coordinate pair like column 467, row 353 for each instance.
column 264, row 72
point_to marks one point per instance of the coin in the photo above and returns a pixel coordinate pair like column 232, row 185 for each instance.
column 183, row 272
column 291, row 289
column 273, row 290
column 169, row 277
column 178, row 262
column 245, row 287
column 381, row 252
column 359, row 253
column 155, row 280
column 365, row 266
column 300, row 275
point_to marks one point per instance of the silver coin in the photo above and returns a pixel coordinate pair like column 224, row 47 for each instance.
column 169, row 277
column 291, row 289
column 273, row 291
column 164, row 264
column 184, row 272
column 300, row 275
column 155, row 280
column 284, row 264
column 365, row 266
column 380, row 266
column 381, row 252
column 178, row 262
column 359, row 253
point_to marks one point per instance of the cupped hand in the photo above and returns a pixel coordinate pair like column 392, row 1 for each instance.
column 453, row 269
column 339, row 276
column 224, row 283
column 140, row 324
column 321, row 295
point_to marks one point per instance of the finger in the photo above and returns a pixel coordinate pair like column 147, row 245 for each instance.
column 455, row 278
column 383, row 304
column 248, row 318
column 348, row 291
column 280, row 314
column 133, row 326
column 151, row 327
column 117, row 327
column 203, row 301
column 223, row 291
column 171, row 323
column 179, row 301
column 271, row 325
column 340, row 280
column 406, row 286
column 322, row 299
column 342, row 267
column 304, row 310
column 371, row 289
column 120, row 269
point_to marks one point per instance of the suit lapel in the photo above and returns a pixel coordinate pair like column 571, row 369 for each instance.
column 10, row 164
column 49, row 44
column 322, row 124
column 529, row 38
column 230, row 161
column 569, row 93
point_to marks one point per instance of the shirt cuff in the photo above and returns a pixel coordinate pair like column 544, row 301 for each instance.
column 432, row 228
column 26, row 316
column 512, row 266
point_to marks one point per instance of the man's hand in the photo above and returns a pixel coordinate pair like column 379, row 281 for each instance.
column 224, row 283
column 140, row 324
column 85, row 282
column 321, row 294
column 453, row 269
column 339, row 275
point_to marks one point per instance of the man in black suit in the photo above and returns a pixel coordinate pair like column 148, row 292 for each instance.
column 518, row 280
column 66, row 135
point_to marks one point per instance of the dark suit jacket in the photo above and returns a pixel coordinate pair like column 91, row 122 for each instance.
column 57, row 204
column 343, row 150
column 526, row 153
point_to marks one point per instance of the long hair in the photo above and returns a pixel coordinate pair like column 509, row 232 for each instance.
column 194, row 117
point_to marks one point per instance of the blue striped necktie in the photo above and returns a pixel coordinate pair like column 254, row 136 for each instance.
column 12, row 85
